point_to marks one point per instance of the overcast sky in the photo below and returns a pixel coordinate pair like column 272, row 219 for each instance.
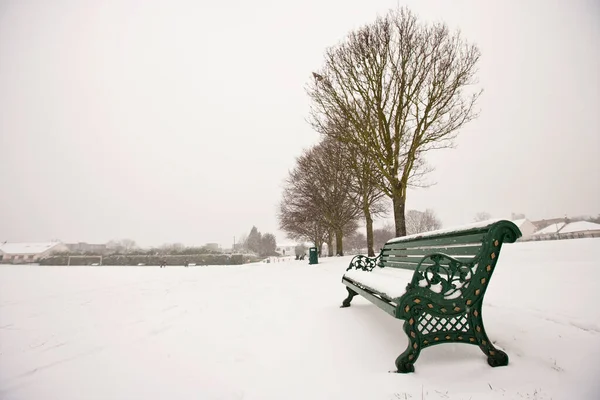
column 177, row 121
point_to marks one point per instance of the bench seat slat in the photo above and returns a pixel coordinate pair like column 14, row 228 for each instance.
column 399, row 264
column 391, row 283
column 384, row 305
column 412, row 262
column 417, row 259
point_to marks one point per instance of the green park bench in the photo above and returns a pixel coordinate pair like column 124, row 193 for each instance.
column 442, row 302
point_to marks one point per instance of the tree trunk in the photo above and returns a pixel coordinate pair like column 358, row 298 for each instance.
column 369, row 220
column 399, row 202
column 330, row 244
column 339, row 235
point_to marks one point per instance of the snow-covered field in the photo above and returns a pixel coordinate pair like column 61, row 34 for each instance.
column 274, row 331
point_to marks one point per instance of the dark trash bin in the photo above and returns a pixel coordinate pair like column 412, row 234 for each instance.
column 313, row 256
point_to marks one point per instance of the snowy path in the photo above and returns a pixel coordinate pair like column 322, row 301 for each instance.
column 274, row 331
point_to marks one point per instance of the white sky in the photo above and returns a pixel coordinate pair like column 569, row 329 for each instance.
column 175, row 121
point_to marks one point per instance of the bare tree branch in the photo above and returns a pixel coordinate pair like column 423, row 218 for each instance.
column 395, row 90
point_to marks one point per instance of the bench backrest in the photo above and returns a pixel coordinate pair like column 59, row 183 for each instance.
column 452, row 262
column 466, row 244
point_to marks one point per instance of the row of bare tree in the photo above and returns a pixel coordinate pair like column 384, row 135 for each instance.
column 328, row 192
column 416, row 222
column 388, row 94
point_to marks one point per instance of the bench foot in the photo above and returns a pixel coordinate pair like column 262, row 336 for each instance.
column 499, row 359
column 347, row 300
column 496, row 358
column 406, row 361
column 405, row 368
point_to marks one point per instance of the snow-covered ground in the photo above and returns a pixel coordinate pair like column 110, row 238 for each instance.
column 274, row 331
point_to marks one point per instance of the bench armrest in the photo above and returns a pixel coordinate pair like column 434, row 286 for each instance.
column 364, row 263
column 443, row 275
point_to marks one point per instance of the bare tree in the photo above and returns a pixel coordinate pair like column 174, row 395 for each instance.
column 401, row 87
column 268, row 244
column 421, row 221
column 482, row 216
column 171, row 248
column 366, row 189
column 382, row 235
column 317, row 196
column 300, row 218
column 329, row 236
column 356, row 241
column 122, row 245
column 253, row 241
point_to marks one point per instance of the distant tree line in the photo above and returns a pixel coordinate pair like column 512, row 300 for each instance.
column 152, row 260
column 261, row 244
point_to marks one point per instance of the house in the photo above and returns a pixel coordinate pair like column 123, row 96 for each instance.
column 27, row 253
column 543, row 223
column 526, row 226
column 584, row 227
column 568, row 230
column 551, row 229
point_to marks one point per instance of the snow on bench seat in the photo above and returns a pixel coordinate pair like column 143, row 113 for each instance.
column 391, row 282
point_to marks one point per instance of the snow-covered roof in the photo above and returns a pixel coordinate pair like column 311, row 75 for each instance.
column 519, row 222
column 580, row 226
column 26, row 248
column 552, row 228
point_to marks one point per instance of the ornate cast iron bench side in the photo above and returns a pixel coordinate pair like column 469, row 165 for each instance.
column 443, row 301
column 364, row 263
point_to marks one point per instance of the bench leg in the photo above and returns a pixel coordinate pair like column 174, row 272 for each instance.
column 496, row 358
column 347, row 300
column 406, row 361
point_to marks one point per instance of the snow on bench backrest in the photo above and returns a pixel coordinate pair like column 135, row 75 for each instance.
column 462, row 243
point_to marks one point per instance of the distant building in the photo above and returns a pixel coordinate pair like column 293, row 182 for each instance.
column 568, row 230
column 543, row 223
column 526, row 226
column 212, row 246
column 27, row 253
column 581, row 227
column 551, row 229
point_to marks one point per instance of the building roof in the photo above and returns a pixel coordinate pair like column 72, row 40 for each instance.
column 552, row 228
column 26, row 248
column 580, row 226
column 519, row 222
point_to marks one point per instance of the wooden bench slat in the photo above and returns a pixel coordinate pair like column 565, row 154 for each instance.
column 384, row 305
column 451, row 251
column 403, row 265
column 438, row 242
column 412, row 262
column 417, row 260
